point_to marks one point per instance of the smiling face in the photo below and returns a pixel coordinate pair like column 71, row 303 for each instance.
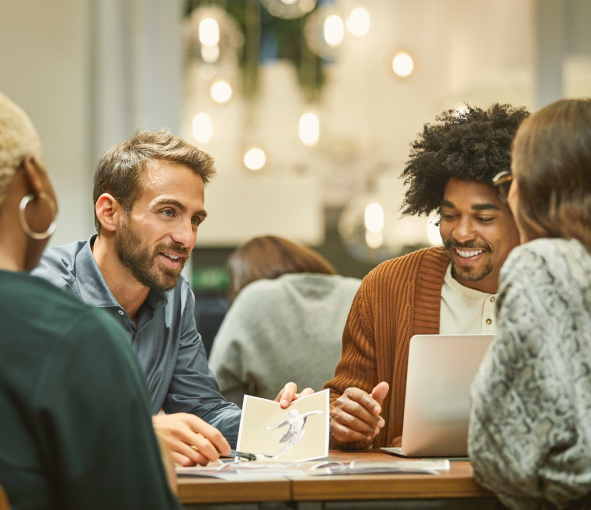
column 478, row 233
column 156, row 239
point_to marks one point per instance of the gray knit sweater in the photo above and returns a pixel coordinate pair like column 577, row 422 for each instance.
column 530, row 423
column 277, row 331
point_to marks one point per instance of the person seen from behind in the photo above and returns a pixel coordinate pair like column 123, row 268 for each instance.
column 75, row 424
column 288, row 310
column 530, row 421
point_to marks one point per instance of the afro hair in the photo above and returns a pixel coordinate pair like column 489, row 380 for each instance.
column 469, row 144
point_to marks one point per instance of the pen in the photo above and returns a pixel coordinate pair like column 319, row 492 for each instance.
column 242, row 455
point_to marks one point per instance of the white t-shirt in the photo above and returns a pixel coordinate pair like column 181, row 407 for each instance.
column 466, row 311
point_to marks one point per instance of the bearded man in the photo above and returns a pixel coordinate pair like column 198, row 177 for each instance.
column 149, row 202
column 448, row 290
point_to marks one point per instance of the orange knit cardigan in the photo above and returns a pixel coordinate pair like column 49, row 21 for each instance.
column 398, row 299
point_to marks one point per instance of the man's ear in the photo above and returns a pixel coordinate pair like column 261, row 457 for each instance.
column 108, row 212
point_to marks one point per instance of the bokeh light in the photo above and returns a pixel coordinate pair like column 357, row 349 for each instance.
column 209, row 32
column 221, row 91
column 309, row 129
column 202, row 127
column 255, row 159
column 358, row 22
column 402, row 64
column 374, row 217
column 334, row 30
column 210, row 54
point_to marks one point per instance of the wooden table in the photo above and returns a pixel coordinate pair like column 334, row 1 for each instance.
column 454, row 489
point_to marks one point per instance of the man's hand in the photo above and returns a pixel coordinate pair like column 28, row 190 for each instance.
column 356, row 415
column 288, row 394
column 190, row 439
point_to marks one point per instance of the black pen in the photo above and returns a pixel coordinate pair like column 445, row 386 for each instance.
column 242, row 455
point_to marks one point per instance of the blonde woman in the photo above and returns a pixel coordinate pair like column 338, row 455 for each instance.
column 75, row 425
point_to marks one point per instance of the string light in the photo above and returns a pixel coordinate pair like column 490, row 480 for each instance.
column 221, row 91
column 334, row 30
column 202, row 127
column 374, row 218
column 374, row 239
column 402, row 64
column 210, row 54
column 209, row 32
column 255, row 159
column 358, row 22
column 309, row 129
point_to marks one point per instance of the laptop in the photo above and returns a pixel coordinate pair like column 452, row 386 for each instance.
column 436, row 411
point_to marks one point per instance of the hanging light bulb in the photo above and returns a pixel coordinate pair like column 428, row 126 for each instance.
column 221, row 91
column 255, row 159
column 210, row 54
column 309, row 129
column 202, row 127
column 402, row 64
column 209, row 32
column 374, row 239
column 374, row 217
column 334, row 30
column 289, row 9
column 374, row 225
column 213, row 35
column 358, row 22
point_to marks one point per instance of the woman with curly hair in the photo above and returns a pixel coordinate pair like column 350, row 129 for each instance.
column 447, row 290
column 530, row 427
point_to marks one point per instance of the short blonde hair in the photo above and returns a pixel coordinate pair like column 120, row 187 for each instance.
column 18, row 139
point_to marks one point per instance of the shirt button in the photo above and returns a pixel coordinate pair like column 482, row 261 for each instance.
column 489, row 321
column 492, row 299
column 121, row 312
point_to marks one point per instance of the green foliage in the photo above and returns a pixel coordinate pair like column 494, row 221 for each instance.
column 258, row 26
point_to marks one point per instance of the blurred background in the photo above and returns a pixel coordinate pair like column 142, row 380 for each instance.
column 308, row 106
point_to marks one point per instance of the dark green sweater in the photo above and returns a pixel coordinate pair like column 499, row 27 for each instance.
column 75, row 424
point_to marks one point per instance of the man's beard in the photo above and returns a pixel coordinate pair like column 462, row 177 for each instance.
column 468, row 273
column 145, row 266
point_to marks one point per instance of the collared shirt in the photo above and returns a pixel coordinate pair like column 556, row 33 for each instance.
column 168, row 345
column 464, row 310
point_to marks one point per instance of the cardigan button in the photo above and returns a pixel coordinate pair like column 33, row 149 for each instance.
column 489, row 321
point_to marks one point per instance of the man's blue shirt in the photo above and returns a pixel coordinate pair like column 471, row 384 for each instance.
column 169, row 347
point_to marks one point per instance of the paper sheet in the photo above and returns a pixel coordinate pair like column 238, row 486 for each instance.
column 244, row 471
column 298, row 433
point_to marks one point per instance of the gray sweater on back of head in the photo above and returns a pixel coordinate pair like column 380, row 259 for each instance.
column 282, row 330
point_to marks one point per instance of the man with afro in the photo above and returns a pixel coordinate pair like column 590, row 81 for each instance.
column 445, row 290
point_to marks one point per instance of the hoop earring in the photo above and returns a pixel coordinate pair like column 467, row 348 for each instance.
column 21, row 216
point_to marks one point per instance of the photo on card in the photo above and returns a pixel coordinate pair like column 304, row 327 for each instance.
column 298, row 433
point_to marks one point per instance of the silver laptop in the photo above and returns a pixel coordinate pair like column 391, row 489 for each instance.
column 436, row 411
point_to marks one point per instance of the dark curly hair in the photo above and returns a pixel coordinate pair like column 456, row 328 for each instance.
column 469, row 144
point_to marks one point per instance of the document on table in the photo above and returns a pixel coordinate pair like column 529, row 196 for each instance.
column 298, row 433
column 244, row 471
